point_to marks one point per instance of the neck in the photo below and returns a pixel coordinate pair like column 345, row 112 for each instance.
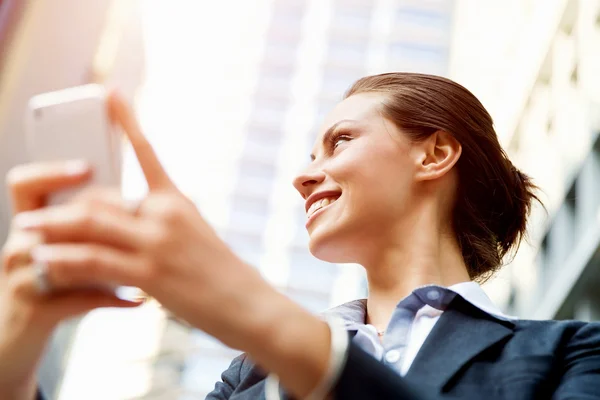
column 424, row 254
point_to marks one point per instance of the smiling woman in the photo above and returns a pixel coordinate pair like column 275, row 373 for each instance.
column 407, row 179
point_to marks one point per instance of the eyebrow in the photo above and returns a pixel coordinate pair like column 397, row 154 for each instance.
column 329, row 132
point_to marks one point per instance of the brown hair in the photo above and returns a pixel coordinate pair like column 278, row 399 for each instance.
column 493, row 197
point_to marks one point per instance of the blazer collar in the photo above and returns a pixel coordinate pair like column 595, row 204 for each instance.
column 462, row 332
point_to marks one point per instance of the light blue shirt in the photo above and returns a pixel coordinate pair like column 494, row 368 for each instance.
column 354, row 316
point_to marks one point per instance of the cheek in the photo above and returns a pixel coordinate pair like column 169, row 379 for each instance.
column 374, row 176
column 378, row 187
column 359, row 163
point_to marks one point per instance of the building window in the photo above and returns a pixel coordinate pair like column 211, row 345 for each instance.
column 246, row 244
column 255, row 177
column 287, row 15
column 252, row 185
column 423, row 17
column 275, row 80
column 283, row 34
column 263, row 150
column 272, row 112
column 264, row 133
column 309, row 273
column 344, row 50
column 249, row 212
column 258, row 168
column 351, row 18
column 418, row 52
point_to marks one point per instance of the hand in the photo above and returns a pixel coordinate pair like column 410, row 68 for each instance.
column 168, row 250
column 28, row 317
column 164, row 247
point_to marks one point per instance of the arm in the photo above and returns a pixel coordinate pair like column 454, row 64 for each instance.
column 28, row 316
column 581, row 374
column 19, row 354
column 353, row 374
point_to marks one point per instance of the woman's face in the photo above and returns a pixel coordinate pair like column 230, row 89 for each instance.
column 360, row 183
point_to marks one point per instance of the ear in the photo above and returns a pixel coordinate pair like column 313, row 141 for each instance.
column 436, row 155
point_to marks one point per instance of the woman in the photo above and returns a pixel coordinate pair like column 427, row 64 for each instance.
column 407, row 178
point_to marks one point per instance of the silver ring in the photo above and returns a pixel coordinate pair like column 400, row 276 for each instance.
column 41, row 277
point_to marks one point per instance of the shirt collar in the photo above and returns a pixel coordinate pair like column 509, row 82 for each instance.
column 355, row 311
column 474, row 294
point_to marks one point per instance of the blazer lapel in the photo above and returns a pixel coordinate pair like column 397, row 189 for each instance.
column 462, row 332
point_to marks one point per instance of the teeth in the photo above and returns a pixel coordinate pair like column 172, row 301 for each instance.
column 317, row 205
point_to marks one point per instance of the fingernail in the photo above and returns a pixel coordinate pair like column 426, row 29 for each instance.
column 27, row 220
column 77, row 167
column 139, row 299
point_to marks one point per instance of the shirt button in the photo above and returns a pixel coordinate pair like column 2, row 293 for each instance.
column 392, row 356
column 433, row 295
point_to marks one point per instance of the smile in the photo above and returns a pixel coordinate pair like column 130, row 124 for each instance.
column 320, row 204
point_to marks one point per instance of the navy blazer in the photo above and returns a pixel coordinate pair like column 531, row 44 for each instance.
column 468, row 355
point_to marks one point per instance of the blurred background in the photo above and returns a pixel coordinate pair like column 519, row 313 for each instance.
column 231, row 94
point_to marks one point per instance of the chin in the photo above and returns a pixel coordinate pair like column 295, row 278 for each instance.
column 330, row 245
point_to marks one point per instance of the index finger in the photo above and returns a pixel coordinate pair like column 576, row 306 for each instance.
column 122, row 114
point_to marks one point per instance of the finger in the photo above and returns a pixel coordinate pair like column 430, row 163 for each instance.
column 24, row 283
column 109, row 198
column 17, row 250
column 81, row 222
column 108, row 195
column 73, row 266
column 123, row 115
column 30, row 184
column 72, row 303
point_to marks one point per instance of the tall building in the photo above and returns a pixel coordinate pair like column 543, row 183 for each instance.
column 312, row 52
column 534, row 65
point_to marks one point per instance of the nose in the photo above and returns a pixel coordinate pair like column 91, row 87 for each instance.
column 307, row 180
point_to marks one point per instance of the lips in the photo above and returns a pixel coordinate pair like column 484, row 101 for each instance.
column 320, row 200
column 319, row 204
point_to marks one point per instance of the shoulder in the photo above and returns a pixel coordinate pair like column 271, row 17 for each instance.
column 245, row 371
column 567, row 326
column 565, row 333
column 242, row 375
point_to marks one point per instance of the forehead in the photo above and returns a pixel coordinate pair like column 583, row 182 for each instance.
column 358, row 107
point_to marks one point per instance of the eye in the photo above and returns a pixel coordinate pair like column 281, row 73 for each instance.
column 339, row 138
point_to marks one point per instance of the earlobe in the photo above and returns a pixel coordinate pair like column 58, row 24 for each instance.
column 440, row 152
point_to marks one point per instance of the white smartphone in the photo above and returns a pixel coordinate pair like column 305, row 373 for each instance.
column 70, row 124
column 73, row 123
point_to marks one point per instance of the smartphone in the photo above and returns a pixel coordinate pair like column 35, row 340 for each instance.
column 70, row 124
column 73, row 123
